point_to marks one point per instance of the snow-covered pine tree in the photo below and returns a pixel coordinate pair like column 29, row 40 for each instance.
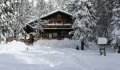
column 41, row 8
column 103, row 11
column 14, row 14
column 22, row 9
column 116, row 25
column 7, row 13
column 85, row 20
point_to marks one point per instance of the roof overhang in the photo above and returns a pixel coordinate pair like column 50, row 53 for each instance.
column 57, row 11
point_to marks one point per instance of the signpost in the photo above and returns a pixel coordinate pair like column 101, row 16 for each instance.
column 102, row 42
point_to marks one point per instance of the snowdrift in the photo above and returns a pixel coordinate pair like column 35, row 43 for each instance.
column 15, row 56
column 16, row 46
column 65, row 43
column 13, row 47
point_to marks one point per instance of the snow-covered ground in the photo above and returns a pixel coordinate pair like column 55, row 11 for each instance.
column 54, row 55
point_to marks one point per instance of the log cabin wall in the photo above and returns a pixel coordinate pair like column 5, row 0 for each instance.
column 58, row 26
column 59, row 18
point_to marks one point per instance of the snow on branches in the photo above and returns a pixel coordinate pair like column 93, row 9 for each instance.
column 84, row 16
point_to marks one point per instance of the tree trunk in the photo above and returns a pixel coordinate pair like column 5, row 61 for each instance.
column 82, row 45
column 118, row 49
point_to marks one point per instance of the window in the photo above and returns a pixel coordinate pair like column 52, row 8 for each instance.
column 54, row 35
column 58, row 15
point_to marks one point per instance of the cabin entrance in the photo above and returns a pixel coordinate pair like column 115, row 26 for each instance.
column 53, row 35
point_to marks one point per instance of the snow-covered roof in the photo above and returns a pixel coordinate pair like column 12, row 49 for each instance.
column 43, row 16
column 32, row 20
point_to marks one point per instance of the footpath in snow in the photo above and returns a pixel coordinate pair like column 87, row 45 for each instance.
column 54, row 55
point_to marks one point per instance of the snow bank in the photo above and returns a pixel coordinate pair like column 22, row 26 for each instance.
column 17, row 46
column 44, row 58
column 67, row 43
column 14, row 46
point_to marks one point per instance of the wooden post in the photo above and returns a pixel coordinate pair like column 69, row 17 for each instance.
column 102, row 50
column 31, row 39
column 102, row 41
column 82, row 45
column 118, row 49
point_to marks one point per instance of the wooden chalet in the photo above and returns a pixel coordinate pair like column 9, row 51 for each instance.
column 57, row 24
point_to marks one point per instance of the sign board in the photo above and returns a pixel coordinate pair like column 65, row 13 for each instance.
column 102, row 40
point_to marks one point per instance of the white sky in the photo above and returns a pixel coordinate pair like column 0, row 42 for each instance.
column 46, row 0
column 30, row 0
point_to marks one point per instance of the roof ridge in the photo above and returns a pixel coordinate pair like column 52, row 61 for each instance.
column 55, row 12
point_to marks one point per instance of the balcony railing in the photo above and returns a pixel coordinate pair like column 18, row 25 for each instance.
column 57, row 25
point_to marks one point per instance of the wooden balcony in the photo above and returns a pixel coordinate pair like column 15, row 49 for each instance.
column 57, row 26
